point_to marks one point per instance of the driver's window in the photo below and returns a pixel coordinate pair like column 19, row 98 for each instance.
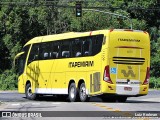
column 34, row 53
column 21, row 64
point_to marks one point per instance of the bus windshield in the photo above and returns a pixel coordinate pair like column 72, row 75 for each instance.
column 19, row 64
column 20, row 60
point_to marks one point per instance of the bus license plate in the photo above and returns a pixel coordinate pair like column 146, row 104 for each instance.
column 128, row 88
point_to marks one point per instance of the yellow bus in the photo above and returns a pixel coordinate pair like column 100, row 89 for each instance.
column 113, row 64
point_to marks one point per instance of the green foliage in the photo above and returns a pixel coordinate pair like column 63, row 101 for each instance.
column 155, row 51
column 20, row 23
column 154, row 83
column 8, row 80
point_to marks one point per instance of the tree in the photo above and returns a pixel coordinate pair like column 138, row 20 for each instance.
column 22, row 20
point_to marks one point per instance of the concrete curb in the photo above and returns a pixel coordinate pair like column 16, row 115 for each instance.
column 153, row 90
column 9, row 91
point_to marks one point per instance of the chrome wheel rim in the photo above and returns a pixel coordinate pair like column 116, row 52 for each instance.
column 72, row 92
column 29, row 91
column 83, row 92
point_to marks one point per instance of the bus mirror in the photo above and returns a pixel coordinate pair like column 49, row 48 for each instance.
column 16, row 65
column 14, row 62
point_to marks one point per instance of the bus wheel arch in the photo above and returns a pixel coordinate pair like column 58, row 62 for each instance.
column 82, row 91
column 28, row 82
column 28, row 91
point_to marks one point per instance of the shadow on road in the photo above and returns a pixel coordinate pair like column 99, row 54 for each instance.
column 93, row 99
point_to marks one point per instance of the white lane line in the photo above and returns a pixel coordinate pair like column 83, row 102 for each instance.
column 35, row 103
column 15, row 104
column 151, row 99
column 56, row 103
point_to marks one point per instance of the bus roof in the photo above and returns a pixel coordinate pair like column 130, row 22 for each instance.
column 68, row 35
column 61, row 36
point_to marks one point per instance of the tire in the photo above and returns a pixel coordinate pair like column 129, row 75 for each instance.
column 82, row 93
column 29, row 94
column 121, row 99
column 72, row 92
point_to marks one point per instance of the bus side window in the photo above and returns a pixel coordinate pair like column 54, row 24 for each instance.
column 65, row 49
column 55, row 50
column 76, row 48
column 87, row 47
column 97, row 43
column 34, row 53
column 45, row 51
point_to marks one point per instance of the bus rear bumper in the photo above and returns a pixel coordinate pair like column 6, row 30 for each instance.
column 116, row 95
column 127, row 90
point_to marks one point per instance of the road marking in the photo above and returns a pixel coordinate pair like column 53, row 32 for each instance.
column 117, row 110
column 102, row 106
column 35, row 103
column 56, row 103
column 151, row 99
column 15, row 104
column 106, row 107
column 109, row 108
column 93, row 103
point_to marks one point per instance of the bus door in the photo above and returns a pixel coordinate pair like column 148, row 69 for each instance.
column 48, row 54
column 33, row 70
column 45, row 65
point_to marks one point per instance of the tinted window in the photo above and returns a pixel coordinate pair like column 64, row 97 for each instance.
column 92, row 45
column 87, row 46
column 25, row 50
column 77, row 48
column 55, row 50
column 21, row 61
column 34, row 53
column 45, row 50
column 96, row 44
column 65, row 49
column 20, row 64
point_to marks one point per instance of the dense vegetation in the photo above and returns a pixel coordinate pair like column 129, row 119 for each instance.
column 21, row 20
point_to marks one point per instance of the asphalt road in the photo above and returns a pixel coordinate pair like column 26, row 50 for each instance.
column 12, row 101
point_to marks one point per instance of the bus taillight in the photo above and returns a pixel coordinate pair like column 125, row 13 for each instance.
column 146, row 81
column 107, row 75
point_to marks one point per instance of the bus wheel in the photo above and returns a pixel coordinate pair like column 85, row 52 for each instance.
column 121, row 98
column 82, row 93
column 72, row 92
column 29, row 94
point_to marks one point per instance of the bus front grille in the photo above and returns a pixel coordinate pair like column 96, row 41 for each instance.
column 129, row 60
